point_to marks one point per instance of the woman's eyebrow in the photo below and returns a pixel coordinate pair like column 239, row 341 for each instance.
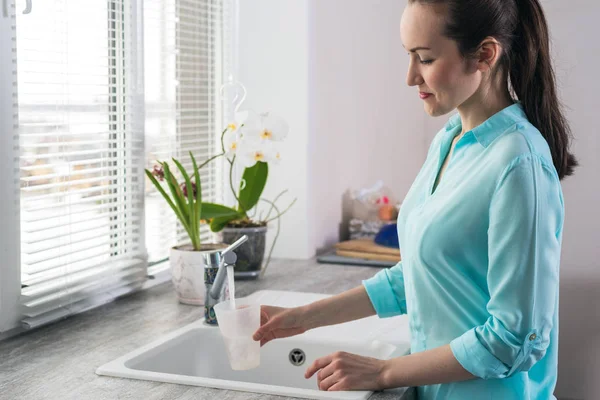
column 419, row 48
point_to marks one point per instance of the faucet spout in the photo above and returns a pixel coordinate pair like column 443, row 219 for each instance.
column 228, row 257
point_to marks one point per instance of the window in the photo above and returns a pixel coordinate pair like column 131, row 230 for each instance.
column 183, row 73
column 83, row 123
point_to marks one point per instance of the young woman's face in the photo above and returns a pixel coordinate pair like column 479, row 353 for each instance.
column 443, row 78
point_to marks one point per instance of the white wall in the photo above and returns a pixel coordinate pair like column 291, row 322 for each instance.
column 574, row 28
column 335, row 70
column 274, row 68
column 366, row 124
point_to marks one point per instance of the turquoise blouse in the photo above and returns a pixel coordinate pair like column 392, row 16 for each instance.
column 480, row 260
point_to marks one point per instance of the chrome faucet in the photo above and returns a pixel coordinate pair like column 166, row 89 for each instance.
column 214, row 290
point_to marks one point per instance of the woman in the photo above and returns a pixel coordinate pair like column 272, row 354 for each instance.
column 481, row 226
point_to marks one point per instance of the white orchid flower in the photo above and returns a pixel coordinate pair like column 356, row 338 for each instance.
column 251, row 150
column 267, row 127
column 233, row 133
column 231, row 142
column 275, row 156
column 239, row 120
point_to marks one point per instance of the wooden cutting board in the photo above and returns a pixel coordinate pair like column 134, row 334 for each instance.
column 367, row 249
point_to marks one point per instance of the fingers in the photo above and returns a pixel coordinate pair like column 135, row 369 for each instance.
column 278, row 334
column 267, row 337
column 264, row 319
column 327, row 371
column 264, row 315
column 328, row 376
column 329, row 381
column 265, row 329
column 275, row 324
column 338, row 386
column 317, row 365
column 267, row 323
column 258, row 335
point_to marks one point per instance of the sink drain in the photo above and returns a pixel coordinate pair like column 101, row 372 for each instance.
column 297, row 357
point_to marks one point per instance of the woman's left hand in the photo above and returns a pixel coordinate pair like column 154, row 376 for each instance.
column 344, row 371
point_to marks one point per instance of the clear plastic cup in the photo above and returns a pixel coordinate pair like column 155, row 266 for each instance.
column 237, row 327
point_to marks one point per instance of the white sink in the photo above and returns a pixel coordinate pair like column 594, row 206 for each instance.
column 195, row 354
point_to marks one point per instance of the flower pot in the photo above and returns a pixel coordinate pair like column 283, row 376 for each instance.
column 250, row 255
column 189, row 268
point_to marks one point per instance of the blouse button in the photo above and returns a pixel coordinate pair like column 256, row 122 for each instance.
column 532, row 336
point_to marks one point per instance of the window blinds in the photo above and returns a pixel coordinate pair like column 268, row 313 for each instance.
column 187, row 51
column 80, row 132
column 104, row 89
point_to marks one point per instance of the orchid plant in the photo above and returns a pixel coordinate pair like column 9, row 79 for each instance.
column 186, row 198
column 252, row 141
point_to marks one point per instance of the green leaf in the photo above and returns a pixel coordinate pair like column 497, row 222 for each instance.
column 219, row 223
column 219, row 215
column 168, row 199
column 198, row 189
column 256, row 179
column 212, row 210
column 194, row 221
column 176, row 192
column 161, row 190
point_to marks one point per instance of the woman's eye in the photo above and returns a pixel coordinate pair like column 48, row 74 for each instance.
column 426, row 62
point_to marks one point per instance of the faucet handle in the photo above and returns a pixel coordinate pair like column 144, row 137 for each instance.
column 234, row 245
column 229, row 258
column 215, row 293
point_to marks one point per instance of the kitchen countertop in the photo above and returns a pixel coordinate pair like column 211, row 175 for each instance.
column 59, row 361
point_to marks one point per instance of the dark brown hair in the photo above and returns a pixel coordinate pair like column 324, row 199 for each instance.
column 521, row 28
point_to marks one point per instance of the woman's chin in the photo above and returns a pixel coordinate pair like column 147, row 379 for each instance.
column 434, row 110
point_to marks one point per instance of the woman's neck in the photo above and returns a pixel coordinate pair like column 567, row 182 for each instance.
column 482, row 105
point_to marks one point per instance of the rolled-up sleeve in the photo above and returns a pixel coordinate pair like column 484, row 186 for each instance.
column 386, row 292
column 525, row 226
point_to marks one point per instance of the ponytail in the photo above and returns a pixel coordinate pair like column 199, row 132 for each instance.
column 533, row 81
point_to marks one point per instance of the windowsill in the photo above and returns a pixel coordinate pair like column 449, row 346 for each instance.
column 157, row 275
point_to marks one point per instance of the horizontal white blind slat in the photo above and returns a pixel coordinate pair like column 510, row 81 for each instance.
column 61, row 211
column 66, row 164
column 99, row 180
column 76, row 257
column 94, row 235
column 61, row 230
column 66, row 195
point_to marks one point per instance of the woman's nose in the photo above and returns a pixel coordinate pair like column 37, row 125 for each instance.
column 413, row 76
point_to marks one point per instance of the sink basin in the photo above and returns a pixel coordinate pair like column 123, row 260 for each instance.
column 195, row 354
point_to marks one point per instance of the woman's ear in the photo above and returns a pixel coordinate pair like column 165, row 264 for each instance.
column 488, row 54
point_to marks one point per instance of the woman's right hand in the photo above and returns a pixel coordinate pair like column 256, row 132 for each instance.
column 277, row 323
